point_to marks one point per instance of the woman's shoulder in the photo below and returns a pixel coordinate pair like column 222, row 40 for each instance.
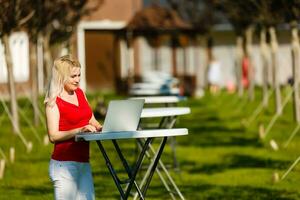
column 79, row 90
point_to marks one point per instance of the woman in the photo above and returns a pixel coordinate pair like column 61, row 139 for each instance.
column 214, row 76
column 69, row 113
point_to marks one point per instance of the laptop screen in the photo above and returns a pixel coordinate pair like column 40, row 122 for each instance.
column 123, row 115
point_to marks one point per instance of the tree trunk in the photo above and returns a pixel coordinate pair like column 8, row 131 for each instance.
column 174, row 60
column 47, row 54
column 249, row 37
column 202, row 62
column 136, row 57
column 209, row 58
column 116, row 68
column 155, row 58
column 34, row 83
column 40, row 64
column 11, row 86
column 239, row 56
column 196, row 46
column 295, row 59
column 274, row 49
column 184, row 61
column 264, row 57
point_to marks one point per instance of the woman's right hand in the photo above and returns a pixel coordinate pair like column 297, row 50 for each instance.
column 88, row 128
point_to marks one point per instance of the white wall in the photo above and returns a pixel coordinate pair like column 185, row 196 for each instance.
column 225, row 54
column 19, row 46
column 147, row 57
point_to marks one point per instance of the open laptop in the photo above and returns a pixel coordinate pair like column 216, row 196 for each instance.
column 123, row 115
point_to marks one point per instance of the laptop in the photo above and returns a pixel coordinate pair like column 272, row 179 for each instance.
column 123, row 115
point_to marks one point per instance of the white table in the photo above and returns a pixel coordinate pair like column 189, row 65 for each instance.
column 164, row 112
column 161, row 99
column 152, row 92
column 131, row 134
column 153, row 89
column 132, row 172
column 168, row 117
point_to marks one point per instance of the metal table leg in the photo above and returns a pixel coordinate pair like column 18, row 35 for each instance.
column 131, row 173
column 154, row 165
column 162, row 166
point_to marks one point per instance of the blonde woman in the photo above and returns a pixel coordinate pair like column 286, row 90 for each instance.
column 68, row 113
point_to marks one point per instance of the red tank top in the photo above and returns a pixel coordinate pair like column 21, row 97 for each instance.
column 71, row 117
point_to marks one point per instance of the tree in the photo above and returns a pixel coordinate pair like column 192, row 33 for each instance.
column 270, row 15
column 291, row 11
column 265, row 14
column 13, row 15
column 54, row 22
column 243, row 26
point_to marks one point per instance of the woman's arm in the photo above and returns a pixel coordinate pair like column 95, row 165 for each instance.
column 52, row 115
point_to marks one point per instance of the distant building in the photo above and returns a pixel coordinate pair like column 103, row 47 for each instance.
column 107, row 59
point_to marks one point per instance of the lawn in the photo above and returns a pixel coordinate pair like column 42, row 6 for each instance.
column 221, row 158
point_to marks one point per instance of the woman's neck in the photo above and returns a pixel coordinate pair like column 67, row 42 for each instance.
column 67, row 93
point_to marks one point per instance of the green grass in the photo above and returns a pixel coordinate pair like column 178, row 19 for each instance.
column 219, row 159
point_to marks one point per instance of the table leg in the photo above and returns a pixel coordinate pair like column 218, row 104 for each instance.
column 157, row 170
column 131, row 174
column 173, row 147
column 137, row 167
column 164, row 169
column 169, row 125
column 154, row 164
column 126, row 166
column 111, row 169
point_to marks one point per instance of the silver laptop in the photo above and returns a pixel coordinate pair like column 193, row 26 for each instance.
column 123, row 115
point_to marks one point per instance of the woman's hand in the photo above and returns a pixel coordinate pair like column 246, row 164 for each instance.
column 88, row 128
column 98, row 127
column 95, row 123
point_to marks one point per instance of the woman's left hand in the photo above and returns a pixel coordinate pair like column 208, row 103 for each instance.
column 99, row 127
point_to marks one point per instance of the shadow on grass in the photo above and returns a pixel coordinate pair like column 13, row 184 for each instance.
column 38, row 190
column 215, row 129
column 219, row 139
column 204, row 191
column 235, row 161
column 216, row 192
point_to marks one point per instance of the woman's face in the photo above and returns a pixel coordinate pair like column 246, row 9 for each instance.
column 73, row 80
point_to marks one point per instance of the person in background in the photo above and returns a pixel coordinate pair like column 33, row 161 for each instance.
column 245, row 71
column 214, row 76
column 68, row 113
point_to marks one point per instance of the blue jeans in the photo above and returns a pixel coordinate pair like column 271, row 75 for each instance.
column 71, row 180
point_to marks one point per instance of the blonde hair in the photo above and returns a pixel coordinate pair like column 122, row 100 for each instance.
column 61, row 70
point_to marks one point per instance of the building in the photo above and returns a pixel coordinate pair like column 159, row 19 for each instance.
column 108, row 60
